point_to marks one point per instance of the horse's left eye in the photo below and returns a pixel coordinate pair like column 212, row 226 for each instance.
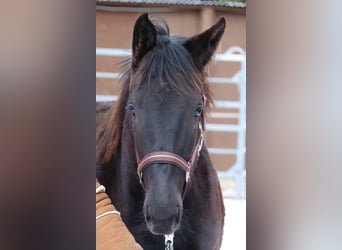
column 198, row 111
column 131, row 109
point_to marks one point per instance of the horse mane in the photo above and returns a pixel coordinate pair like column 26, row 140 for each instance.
column 168, row 63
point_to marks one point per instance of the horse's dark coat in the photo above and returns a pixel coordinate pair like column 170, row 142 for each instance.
column 163, row 87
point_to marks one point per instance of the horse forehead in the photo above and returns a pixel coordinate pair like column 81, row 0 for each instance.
column 167, row 97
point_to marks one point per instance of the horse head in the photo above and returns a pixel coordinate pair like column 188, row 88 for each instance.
column 166, row 106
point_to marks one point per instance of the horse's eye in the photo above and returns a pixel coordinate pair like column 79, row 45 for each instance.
column 198, row 111
column 131, row 109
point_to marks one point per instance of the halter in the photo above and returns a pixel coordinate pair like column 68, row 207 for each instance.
column 172, row 158
column 168, row 157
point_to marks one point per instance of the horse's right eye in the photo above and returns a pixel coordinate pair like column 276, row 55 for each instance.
column 131, row 109
column 198, row 111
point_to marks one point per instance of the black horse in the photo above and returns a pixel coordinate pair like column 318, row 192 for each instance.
column 149, row 145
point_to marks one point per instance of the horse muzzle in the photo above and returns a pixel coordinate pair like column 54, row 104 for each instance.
column 163, row 222
column 163, row 206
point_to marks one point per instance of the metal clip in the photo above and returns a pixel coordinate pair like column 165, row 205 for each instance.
column 200, row 145
column 140, row 177
column 169, row 241
column 187, row 176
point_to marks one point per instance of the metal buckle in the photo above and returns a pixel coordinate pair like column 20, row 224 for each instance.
column 187, row 176
column 200, row 145
column 140, row 177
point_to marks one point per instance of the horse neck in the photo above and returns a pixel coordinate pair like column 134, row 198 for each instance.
column 204, row 159
column 117, row 173
column 204, row 169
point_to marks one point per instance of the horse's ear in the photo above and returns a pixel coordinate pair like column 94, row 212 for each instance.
column 202, row 46
column 144, row 38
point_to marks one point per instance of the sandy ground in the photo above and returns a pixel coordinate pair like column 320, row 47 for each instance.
column 234, row 237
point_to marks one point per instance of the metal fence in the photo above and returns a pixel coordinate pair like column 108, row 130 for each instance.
column 236, row 173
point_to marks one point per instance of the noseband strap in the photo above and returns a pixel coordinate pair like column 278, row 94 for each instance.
column 164, row 157
column 168, row 157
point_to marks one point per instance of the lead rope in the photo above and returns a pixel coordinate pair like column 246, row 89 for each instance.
column 168, row 241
